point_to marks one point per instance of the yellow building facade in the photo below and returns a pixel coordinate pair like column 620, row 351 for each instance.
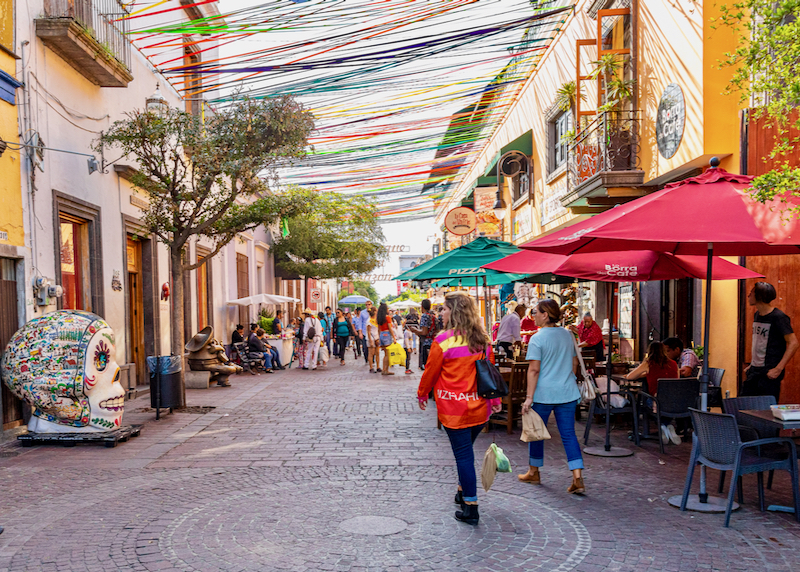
column 675, row 119
column 12, row 232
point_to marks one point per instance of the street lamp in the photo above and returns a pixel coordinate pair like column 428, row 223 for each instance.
column 499, row 207
column 156, row 102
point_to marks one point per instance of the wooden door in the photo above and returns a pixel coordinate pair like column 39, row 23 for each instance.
column 9, row 324
column 136, row 310
column 243, row 286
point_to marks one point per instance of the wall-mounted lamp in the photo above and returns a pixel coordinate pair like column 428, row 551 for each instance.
column 499, row 207
column 156, row 102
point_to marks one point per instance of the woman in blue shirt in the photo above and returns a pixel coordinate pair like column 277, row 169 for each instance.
column 552, row 388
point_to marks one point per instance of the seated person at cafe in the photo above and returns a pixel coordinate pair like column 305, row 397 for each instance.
column 590, row 336
column 656, row 365
column 508, row 334
column 688, row 362
column 256, row 349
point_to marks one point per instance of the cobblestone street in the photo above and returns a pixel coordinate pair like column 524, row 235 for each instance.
column 272, row 477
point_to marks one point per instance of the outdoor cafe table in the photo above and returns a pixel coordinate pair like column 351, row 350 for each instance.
column 766, row 415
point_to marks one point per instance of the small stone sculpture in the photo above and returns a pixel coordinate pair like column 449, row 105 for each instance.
column 208, row 354
column 63, row 364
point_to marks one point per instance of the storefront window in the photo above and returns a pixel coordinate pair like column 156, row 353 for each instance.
column 560, row 126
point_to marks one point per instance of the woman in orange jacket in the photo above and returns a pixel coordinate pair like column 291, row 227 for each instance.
column 450, row 370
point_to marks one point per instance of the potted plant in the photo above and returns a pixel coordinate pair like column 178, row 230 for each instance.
column 617, row 92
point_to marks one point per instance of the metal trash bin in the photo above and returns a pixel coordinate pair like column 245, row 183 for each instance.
column 165, row 381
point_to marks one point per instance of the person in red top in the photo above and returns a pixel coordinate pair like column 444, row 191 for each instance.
column 657, row 365
column 528, row 326
column 590, row 336
column 451, row 372
column 386, row 336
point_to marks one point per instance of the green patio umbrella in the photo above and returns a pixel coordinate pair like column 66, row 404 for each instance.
column 463, row 262
column 491, row 280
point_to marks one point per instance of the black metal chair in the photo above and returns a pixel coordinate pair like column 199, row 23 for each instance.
column 674, row 398
column 598, row 406
column 716, row 443
column 750, row 427
column 715, row 375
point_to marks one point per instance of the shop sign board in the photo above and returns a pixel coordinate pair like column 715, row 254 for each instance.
column 551, row 206
column 670, row 121
column 626, row 310
column 488, row 223
column 522, row 223
column 460, row 221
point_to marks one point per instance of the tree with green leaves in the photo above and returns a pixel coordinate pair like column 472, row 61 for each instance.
column 338, row 237
column 211, row 179
column 766, row 75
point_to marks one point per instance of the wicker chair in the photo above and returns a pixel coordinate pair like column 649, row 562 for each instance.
column 716, row 443
column 750, row 427
column 598, row 407
column 675, row 397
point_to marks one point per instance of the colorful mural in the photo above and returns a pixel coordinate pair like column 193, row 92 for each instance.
column 63, row 365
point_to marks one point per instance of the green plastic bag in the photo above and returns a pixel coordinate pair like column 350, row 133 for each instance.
column 503, row 464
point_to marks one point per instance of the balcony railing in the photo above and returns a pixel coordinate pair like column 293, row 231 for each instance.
column 103, row 20
column 609, row 144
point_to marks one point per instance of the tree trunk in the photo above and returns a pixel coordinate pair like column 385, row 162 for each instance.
column 176, row 328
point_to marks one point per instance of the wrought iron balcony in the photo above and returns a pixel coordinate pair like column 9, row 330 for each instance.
column 91, row 35
column 604, row 155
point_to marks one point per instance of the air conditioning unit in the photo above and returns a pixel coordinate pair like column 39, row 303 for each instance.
column 513, row 163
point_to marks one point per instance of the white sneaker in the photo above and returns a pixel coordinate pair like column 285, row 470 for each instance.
column 673, row 435
column 665, row 438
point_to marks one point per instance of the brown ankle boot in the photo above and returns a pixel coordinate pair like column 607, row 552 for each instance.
column 577, row 487
column 532, row 476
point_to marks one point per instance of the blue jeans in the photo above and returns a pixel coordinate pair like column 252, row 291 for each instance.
column 461, row 441
column 267, row 360
column 565, row 419
column 276, row 358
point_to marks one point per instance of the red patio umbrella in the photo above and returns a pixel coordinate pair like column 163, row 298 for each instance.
column 709, row 214
column 626, row 265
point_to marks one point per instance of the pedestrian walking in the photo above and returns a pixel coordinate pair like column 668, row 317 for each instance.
column 373, row 343
column 774, row 344
column 342, row 329
column 312, row 338
column 412, row 321
column 363, row 322
column 408, row 337
column 426, row 332
column 451, row 373
column 552, row 388
column 330, row 340
column 386, row 335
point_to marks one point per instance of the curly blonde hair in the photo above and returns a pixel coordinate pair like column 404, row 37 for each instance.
column 465, row 320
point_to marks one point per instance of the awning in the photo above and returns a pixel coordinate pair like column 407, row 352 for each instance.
column 523, row 144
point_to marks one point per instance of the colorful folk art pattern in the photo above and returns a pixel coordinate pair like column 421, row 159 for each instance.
column 44, row 364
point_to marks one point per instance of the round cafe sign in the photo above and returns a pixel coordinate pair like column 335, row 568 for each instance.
column 460, row 221
column 671, row 120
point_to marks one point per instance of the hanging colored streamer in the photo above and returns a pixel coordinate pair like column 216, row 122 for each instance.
column 405, row 93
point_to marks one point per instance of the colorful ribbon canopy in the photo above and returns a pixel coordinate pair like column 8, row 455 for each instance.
column 405, row 92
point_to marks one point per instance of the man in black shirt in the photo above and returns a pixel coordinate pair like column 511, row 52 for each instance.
column 774, row 344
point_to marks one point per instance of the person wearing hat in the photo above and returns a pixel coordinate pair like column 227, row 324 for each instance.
column 509, row 332
column 312, row 338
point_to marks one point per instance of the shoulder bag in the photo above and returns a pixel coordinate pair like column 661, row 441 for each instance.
column 491, row 384
column 588, row 392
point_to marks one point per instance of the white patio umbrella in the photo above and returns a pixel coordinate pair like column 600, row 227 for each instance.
column 262, row 299
column 405, row 305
